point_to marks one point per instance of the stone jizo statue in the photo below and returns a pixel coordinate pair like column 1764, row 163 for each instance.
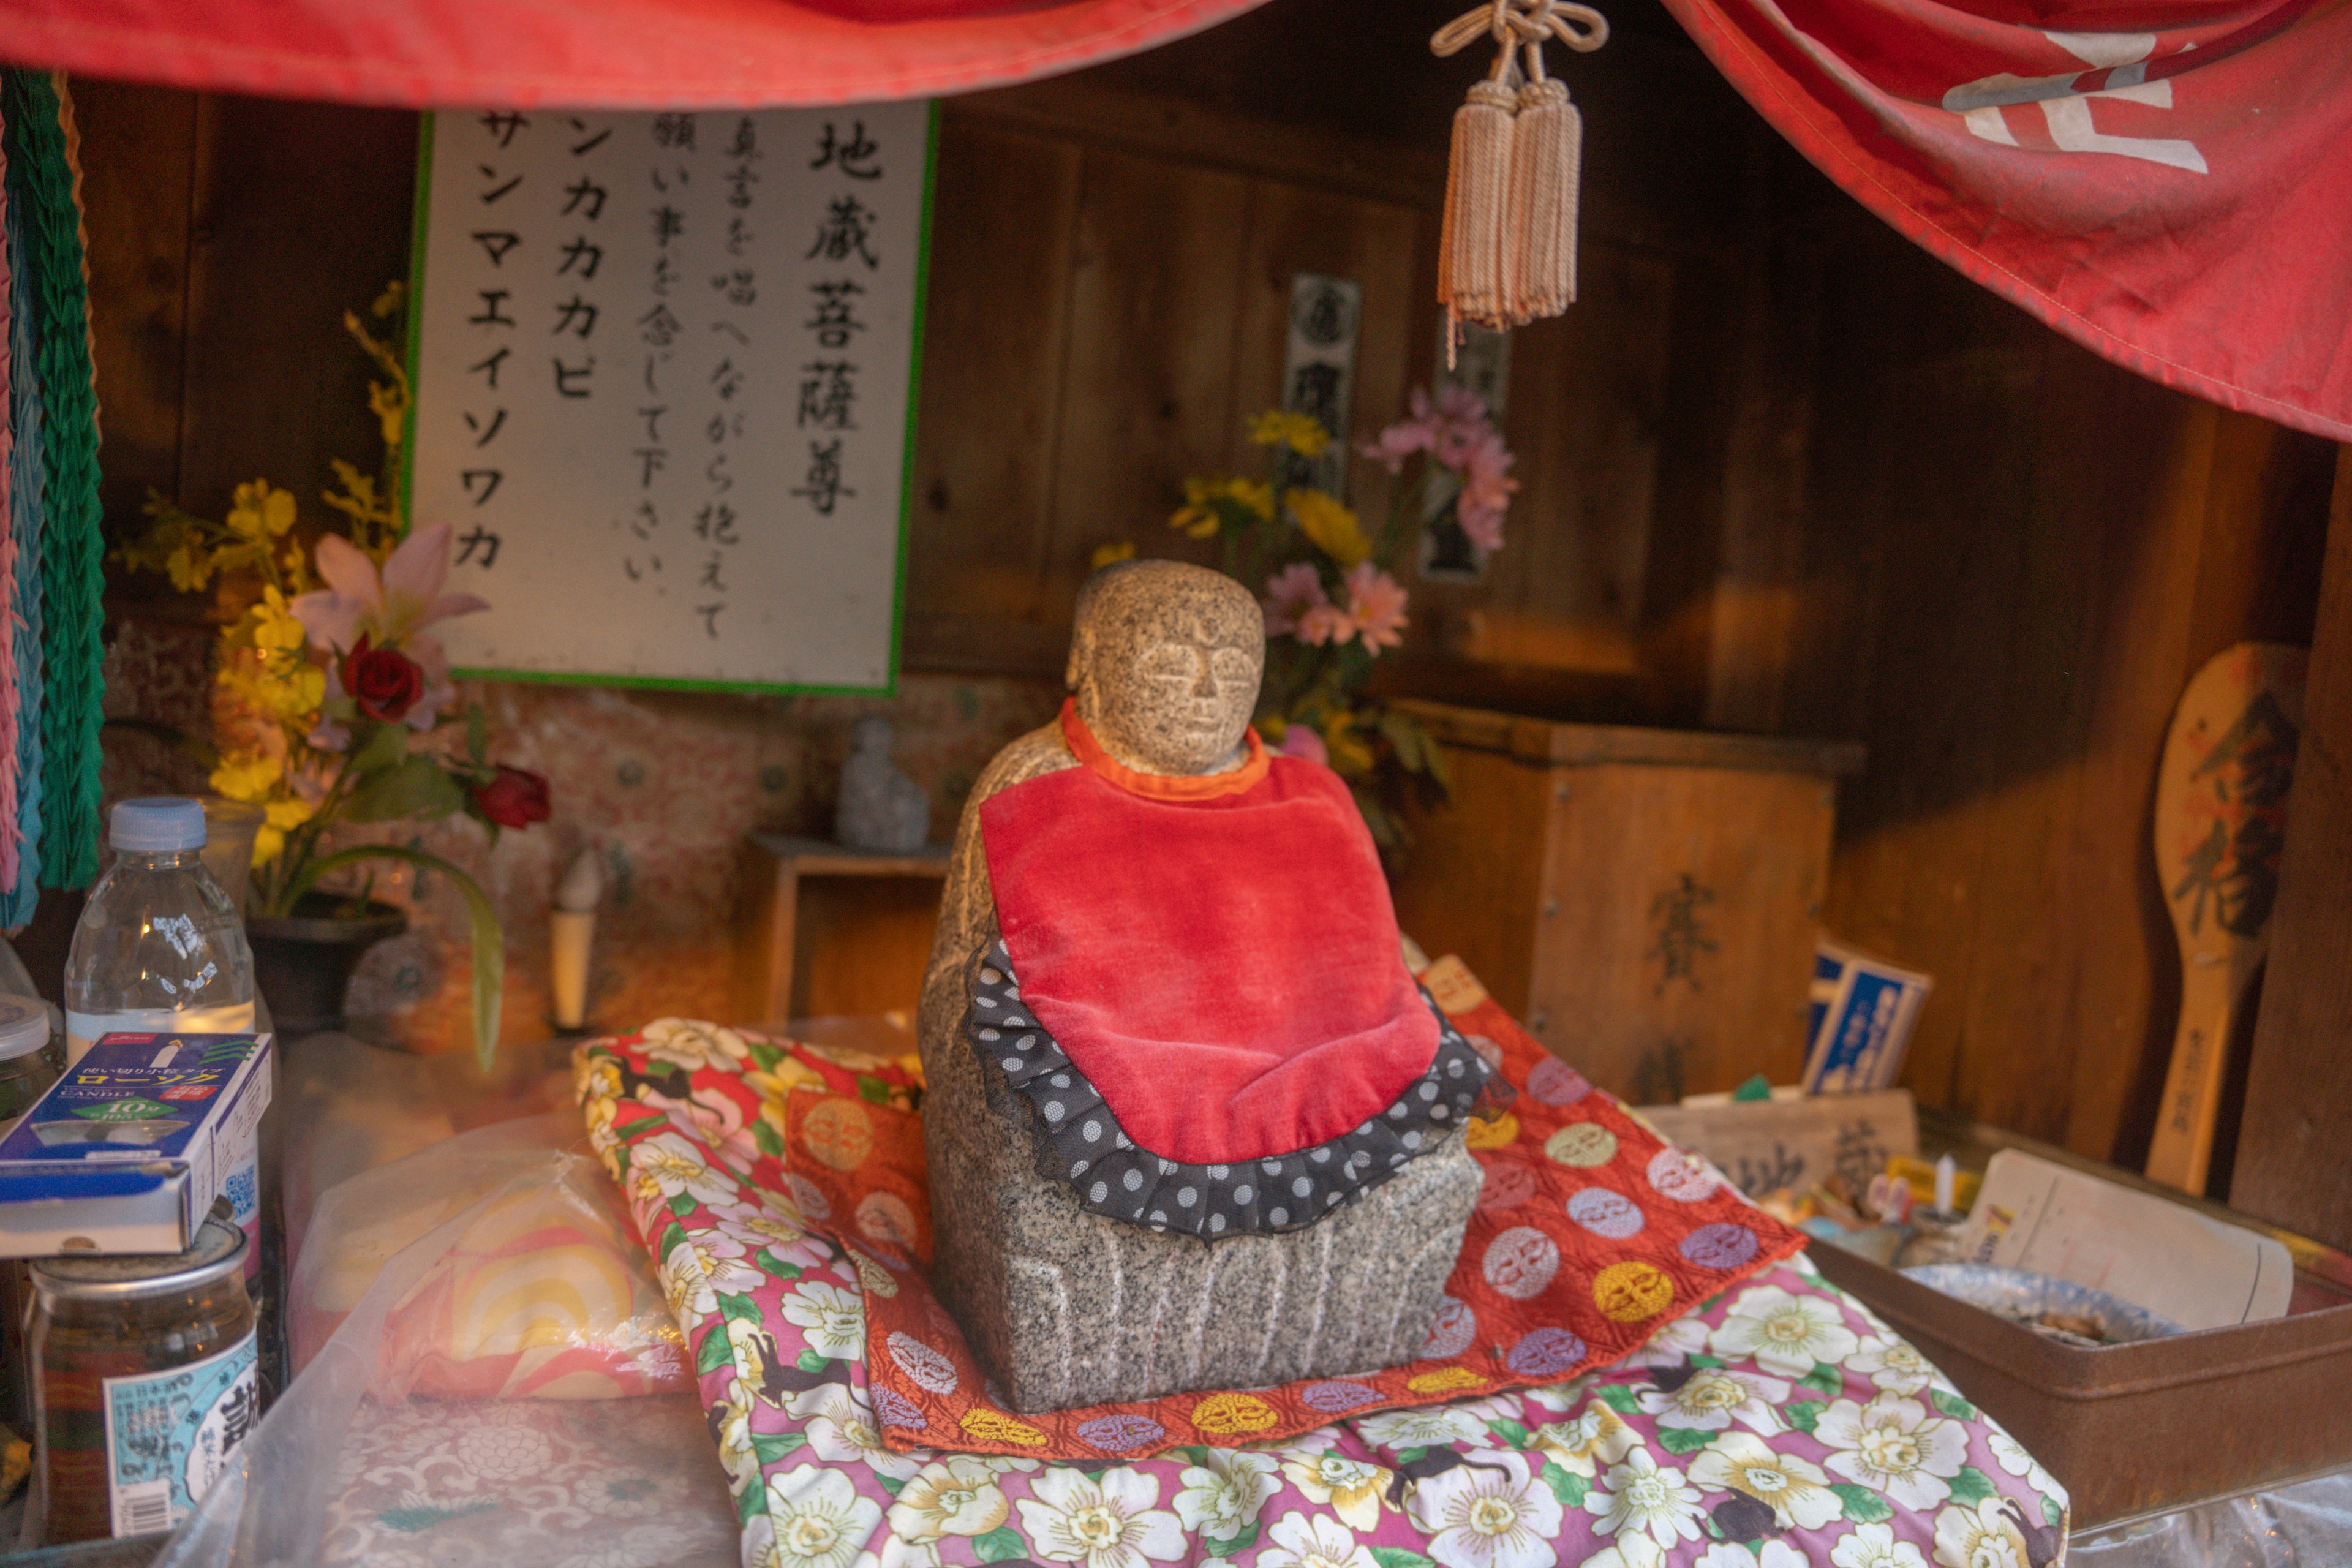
column 1191, row 1124
column 880, row 807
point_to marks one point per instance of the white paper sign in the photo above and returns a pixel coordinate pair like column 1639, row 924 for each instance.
column 664, row 374
column 2199, row 1272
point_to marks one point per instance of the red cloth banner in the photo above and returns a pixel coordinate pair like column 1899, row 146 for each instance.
column 2167, row 181
column 591, row 54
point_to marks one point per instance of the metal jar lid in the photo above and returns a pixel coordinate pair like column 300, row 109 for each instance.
column 218, row 1254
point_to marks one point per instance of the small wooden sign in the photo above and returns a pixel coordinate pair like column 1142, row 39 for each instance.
column 2221, row 819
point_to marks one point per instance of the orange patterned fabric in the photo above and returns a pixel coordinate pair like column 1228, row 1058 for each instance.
column 1161, row 786
column 1590, row 1233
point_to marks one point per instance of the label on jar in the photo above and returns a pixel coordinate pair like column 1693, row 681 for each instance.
column 169, row 1436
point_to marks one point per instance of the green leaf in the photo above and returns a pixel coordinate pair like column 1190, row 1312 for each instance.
column 767, row 1260
column 715, row 1350
column 1704, row 1361
column 872, row 1089
column 891, row 1484
column 382, row 750
column 1827, row 1377
column 1620, row 1398
column 2054, row 1511
column 1682, row 1439
column 1510, row 1431
column 750, row 1502
column 673, row 1236
column 478, row 733
column 1238, row 1545
column 682, row 1204
column 1804, row 1415
column 1404, row 1456
column 771, row 1142
column 764, row 1054
column 1971, row 1487
column 1952, row 1404
column 413, row 787
column 1861, row 1505
column 1566, row 1485
column 999, row 1545
column 1400, row 1557
column 809, row 1361
column 489, row 941
column 739, row 1308
column 772, row 1446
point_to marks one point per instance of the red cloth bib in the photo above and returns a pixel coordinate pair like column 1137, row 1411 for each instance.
column 1224, row 971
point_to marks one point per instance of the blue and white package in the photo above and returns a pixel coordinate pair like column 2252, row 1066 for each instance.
column 127, row 1151
column 1862, row 1012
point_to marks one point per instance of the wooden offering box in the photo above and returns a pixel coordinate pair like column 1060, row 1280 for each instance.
column 824, row 929
column 1646, row 900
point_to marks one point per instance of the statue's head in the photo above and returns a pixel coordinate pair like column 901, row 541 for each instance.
column 1165, row 659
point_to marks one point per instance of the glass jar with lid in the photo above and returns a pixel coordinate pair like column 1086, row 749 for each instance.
column 31, row 1055
column 143, row 1384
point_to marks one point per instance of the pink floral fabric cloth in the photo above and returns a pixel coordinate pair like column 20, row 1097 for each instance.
column 1781, row 1424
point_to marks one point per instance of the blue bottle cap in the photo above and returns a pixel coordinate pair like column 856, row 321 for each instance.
column 157, row 822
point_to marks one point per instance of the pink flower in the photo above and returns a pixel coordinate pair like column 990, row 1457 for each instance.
column 1376, row 605
column 1289, row 594
column 1462, row 423
column 1301, row 741
column 1326, row 623
column 390, row 608
column 1483, row 524
column 1486, row 490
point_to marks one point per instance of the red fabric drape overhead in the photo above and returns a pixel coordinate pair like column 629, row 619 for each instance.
column 2168, row 181
column 601, row 54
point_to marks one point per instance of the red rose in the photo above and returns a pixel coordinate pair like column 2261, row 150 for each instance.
column 514, row 799
column 385, row 682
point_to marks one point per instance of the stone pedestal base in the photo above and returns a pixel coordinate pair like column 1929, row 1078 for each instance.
column 1064, row 1307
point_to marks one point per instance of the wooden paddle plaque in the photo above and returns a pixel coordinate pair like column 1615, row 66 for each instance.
column 2220, row 819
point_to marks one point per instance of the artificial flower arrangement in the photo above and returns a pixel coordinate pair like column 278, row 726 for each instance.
column 332, row 701
column 1330, row 596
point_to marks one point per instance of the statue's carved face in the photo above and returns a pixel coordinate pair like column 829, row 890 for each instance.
column 1166, row 659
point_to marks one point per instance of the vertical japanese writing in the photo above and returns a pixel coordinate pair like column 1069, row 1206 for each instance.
column 664, row 365
column 825, row 409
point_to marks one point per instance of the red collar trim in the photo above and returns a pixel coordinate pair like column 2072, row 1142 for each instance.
column 1161, row 786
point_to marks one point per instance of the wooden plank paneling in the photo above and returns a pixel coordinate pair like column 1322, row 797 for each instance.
column 1003, row 224
column 138, row 159
column 301, row 213
column 2294, row 1154
column 1149, row 397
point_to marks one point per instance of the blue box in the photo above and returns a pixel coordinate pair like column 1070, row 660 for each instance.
column 127, row 1151
column 1863, row 1009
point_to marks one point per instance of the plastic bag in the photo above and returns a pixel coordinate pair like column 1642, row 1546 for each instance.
column 347, row 1469
column 542, row 1289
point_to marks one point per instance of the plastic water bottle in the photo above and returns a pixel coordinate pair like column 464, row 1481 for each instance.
column 160, row 948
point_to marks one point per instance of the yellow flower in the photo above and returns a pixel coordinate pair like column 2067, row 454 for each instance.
column 274, row 625
column 1332, row 527
column 248, row 778
column 1349, row 753
column 292, row 812
column 389, row 405
column 1302, row 433
column 260, row 512
column 1199, row 516
column 1106, row 554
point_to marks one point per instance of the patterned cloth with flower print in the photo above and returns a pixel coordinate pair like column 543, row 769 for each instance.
column 1778, row 1424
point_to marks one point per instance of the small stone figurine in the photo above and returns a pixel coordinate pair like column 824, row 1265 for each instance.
column 880, row 807
column 1191, row 1124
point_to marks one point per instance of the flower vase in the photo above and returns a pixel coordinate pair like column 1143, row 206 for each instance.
column 303, row 961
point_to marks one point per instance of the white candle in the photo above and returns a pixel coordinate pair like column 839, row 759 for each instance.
column 571, row 933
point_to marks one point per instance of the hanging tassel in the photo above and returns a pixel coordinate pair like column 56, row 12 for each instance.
column 1508, row 251
column 1546, row 151
column 1471, row 248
